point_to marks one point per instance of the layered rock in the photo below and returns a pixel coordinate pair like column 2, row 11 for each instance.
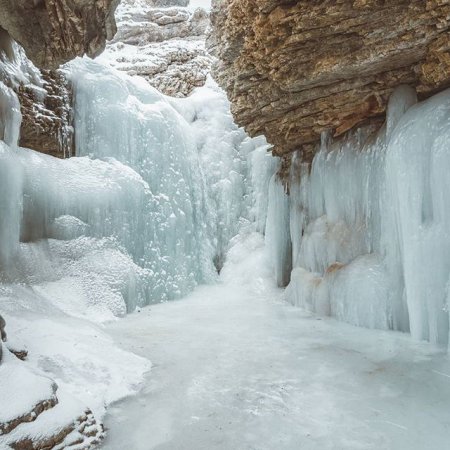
column 164, row 42
column 45, row 100
column 295, row 69
column 53, row 32
column 47, row 122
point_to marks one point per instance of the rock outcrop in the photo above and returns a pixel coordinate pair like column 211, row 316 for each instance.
column 164, row 42
column 53, row 32
column 39, row 416
column 293, row 69
column 45, row 98
column 47, row 122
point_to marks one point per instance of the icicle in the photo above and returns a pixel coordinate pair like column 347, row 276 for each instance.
column 277, row 231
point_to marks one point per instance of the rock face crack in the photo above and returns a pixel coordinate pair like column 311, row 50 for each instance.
column 293, row 70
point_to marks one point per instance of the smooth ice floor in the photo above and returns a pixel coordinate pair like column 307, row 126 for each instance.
column 235, row 367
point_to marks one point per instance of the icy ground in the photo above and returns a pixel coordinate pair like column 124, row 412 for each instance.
column 236, row 367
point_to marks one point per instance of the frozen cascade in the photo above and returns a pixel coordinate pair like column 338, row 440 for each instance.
column 10, row 175
column 143, row 214
column 146, row 210
column 370, row 223
column 193, row 160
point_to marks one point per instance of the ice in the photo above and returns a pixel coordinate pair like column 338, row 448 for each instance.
column 143, row 214
column 10, row 175
column 191, row 155
column 418, row 156
column 277, row 231
column 369, row 223
column 245, row 370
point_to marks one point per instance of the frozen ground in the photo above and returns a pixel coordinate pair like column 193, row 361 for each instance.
column 235, row 367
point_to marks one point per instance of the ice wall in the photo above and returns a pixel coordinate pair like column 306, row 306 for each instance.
column 369, row 223
column 146, row 210
column 192, row 158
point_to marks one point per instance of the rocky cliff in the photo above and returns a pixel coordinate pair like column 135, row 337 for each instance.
column 55, row 31
column 293, row 69
column 50, row 33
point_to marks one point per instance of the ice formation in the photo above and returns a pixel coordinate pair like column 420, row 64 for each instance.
column 143, row 214
column 369, row 223
column 146, row 210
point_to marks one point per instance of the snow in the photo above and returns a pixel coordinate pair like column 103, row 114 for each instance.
column 77, row 354
column 237, row 367
column 52, row 422
column 21, row 388
column 205, row 4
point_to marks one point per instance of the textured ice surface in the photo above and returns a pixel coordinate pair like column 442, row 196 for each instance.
column 143, row 214
column 192, row 158
column 236, row 368
column 370, row 222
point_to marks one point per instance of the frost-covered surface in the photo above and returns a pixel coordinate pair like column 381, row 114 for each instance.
column 21, row 389
column 370, row 223
column 191, row 156
column 164, row 44
column 236, row 367
column 143, row 214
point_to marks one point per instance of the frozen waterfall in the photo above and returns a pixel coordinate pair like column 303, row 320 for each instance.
column 147, row 209
column 369, row 223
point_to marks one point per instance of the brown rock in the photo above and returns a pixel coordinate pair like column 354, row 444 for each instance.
column 55, row 31
column 47, row 119
column 45, row 101
column 293, row 69
column 32, row 415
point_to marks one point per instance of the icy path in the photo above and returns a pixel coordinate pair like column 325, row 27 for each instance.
column 236, row 368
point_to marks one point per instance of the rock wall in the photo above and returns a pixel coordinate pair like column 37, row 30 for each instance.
column 45, row 100
column 293, row 69
column 50, row 32
column 53, row 32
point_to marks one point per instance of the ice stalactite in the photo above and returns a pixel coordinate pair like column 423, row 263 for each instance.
column 370, row 223
column 10, row 175
column 277, row 231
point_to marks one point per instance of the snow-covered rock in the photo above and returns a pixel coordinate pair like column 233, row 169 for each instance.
column 162, row 41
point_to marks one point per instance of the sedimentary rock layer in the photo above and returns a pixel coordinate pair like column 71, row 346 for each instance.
column 55, row 31
column 293, row 69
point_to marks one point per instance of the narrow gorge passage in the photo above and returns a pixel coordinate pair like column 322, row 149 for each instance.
column 236, row 367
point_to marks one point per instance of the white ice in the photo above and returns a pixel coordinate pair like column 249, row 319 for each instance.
column 143, row 214
column 236, row 367
column 369, row 223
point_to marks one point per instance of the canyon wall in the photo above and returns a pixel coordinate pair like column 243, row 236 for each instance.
column 53, row 32
column 295, row 69
column 50, row 33
column 36, row 37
